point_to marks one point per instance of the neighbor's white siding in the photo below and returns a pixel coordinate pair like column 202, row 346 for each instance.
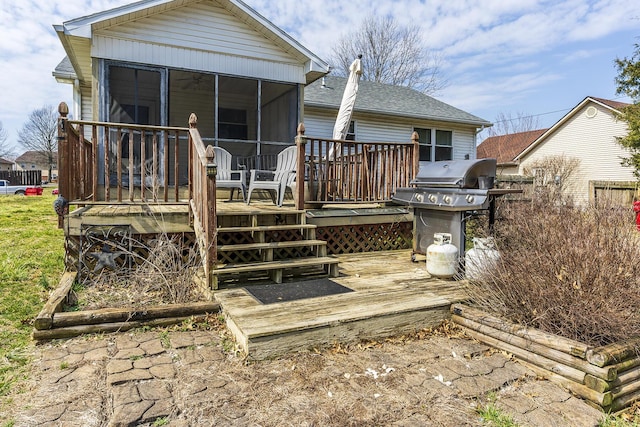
column 593, row 141
column 319, row 123
column 201, row 37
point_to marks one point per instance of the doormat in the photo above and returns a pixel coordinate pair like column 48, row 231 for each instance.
column 281, row 292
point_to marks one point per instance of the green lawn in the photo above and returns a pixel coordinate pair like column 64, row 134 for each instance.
column 31, row 264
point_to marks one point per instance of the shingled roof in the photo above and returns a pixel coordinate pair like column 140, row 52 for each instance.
column 505, row 148
column 379, row 98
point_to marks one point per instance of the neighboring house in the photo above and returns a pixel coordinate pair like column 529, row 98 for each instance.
column 156, row 61
column 37, row 160
column 391, row 113
column 6, row 165
column 505, row 148
column 587, row 133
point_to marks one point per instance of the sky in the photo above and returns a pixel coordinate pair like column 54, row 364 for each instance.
column 513, row 58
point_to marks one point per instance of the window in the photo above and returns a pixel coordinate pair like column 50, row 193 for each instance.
column 351, row 132
column 441, row 150
column 232, row 123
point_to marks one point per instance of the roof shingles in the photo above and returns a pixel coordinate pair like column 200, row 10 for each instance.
column 379, row 98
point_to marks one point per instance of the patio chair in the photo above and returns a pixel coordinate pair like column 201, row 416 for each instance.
column 276, row 182
column 226, row 177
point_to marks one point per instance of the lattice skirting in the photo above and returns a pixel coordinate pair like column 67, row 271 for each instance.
column 344, row 239
column 116, row 248
column 238, row 257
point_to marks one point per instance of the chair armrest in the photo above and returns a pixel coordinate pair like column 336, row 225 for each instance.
column 239, row 175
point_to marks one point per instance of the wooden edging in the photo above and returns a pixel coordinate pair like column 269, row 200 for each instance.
column 44, row 320
column 74, row 331
column 53, row 323
column 607, row 376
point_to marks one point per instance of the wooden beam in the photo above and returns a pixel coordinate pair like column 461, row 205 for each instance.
column 44, row 320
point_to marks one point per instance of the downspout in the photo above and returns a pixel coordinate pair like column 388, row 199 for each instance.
column 475, row 141
column 77, row 100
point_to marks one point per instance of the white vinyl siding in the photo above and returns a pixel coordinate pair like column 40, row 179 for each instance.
column 592, row 140
column 199, row 37
column 319, row 124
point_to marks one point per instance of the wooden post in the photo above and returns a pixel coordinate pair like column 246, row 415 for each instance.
column 211, row 216
column 64, row 170
column 300, row 143
column 193, row 124
column 416, row 153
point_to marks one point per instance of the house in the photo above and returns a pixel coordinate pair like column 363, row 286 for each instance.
column 126, row 67
column 141, row 165
column 505, row 148
column 585, row 136
column 385, row 112
column 6, row 165
column 154, row 62
column 38, row 160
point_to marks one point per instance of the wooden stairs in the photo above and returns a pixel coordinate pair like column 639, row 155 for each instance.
column 255, row 246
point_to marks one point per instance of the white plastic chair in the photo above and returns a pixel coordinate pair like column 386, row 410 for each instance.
column 276, row 182
column 226, row 177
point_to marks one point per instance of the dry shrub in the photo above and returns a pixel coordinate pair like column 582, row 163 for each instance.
column 169, row 269
column 568, row 271
column 163, row 276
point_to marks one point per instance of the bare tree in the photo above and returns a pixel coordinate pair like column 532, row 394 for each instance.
column 552, row 176
column 6, row 151
column 391, row 54
column 39, row 134
column 508, row 123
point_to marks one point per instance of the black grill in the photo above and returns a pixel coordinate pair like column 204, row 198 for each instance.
column 440, row 195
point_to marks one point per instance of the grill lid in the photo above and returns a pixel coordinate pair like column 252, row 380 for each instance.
column 479, row 173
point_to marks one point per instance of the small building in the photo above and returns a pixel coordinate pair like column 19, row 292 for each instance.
column 38, row 160
column 587, row 137
column 6, row 165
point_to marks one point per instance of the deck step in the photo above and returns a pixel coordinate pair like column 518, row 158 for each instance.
column 275, row 265
column 275, row 268
column 271, row 245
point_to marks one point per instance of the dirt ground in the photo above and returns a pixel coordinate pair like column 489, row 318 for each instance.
column 185, row 377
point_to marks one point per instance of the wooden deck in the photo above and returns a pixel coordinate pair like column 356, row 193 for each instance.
column 392, row 295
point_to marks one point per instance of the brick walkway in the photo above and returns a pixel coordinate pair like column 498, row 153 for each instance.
column 186, row 379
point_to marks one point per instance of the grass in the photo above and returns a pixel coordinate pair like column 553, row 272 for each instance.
column 31, row 264
column 493, row 416
column 623, row 420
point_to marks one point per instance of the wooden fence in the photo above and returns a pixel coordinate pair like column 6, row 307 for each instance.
column 32, row 177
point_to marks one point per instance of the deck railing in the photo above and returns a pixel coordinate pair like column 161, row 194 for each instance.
column 339, row 171
column 153, row 164
column 202, row 197
column 138, row 163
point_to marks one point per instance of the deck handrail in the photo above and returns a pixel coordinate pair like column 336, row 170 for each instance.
column 353, row 171
column 202, row 197
column 145, row 161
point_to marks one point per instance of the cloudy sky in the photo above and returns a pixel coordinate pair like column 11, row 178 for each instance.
column 517, row 57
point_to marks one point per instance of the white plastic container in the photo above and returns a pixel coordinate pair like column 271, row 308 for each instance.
column 482, row 259
column 442, row 257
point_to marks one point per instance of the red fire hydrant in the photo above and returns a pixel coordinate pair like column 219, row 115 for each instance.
column 636, row 209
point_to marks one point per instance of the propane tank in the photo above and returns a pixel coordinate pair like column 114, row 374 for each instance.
column 481, row 259
column 442, row 256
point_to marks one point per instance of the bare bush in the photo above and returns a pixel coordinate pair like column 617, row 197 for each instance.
column 568, row 271
column 160, row 271
column 552, row 177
